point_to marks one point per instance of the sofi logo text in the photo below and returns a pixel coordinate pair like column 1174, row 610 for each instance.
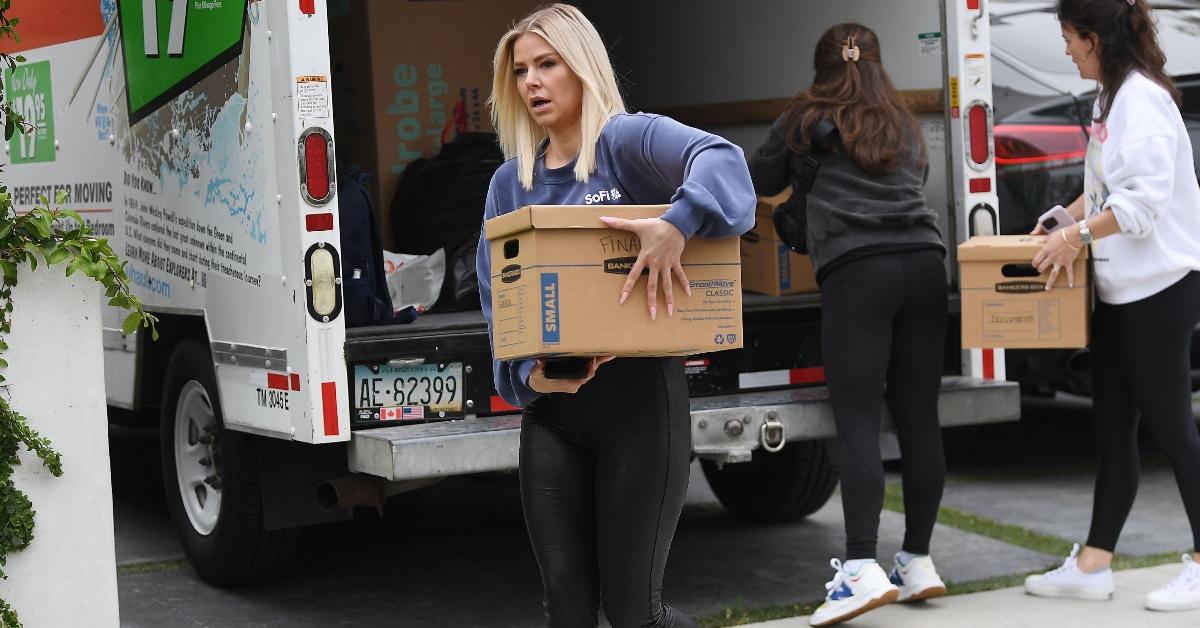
column 603, row 196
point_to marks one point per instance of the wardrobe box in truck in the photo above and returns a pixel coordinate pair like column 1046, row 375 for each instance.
column 408, row 65
column 1005, row 302
column 557, row 273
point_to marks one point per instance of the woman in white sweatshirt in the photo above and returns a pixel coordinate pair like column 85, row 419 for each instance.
column 1140, row 213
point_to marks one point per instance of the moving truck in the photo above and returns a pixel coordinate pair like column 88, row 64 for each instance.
column 202, row 137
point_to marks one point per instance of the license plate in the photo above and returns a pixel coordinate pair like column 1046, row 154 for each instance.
column 408, row 393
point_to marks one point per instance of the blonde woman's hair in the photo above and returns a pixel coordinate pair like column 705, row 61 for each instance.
column 575, row 39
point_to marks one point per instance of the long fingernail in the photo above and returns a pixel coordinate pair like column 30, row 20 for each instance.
column 624, row 295
column 653, row 312
column 670, row 310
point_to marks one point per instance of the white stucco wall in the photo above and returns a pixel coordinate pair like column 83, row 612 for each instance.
column 67, row 576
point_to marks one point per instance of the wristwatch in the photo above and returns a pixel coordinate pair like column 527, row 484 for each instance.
column 1085, row 234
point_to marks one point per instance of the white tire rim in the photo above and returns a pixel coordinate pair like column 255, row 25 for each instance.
column 199, row 483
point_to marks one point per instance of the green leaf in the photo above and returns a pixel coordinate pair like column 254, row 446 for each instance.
column 5, row 229
column 10, row 269
column 60, row 197
column 58, row 254
column 131, row 322
column 72, row 267
column 3, row 363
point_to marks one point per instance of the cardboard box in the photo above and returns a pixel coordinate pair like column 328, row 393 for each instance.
column 399, row 69
column 557, row 273
column 768, row 265
column 1005, row 303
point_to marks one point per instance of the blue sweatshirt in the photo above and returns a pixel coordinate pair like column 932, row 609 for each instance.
column 641, row 159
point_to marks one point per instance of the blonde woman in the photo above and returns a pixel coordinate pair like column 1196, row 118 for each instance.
column 604, row 458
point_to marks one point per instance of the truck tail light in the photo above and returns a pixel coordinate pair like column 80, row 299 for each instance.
column 979, row 135
column 1040, row 144
column 316, row 166
column 322, row 282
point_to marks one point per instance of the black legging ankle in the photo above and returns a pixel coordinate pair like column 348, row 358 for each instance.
column 883, row 322
column 1141, row 362
column 604, row 473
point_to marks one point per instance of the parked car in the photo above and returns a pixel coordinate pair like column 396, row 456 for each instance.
column 1042, row 116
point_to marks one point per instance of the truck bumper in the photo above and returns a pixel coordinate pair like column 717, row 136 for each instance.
column 726, row 428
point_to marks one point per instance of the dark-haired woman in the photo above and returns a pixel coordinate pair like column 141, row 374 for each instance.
column 880, row 263
column 1140, row 213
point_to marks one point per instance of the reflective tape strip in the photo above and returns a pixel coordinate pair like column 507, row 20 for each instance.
column 810, row 375
column 781, row 377
column 764, row 379
column 329, row 407
column 498, row 404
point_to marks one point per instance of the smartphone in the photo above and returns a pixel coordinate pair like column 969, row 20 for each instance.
column 1055, row 218
column 566, row 368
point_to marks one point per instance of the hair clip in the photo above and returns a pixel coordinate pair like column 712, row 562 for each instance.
column 850, row 51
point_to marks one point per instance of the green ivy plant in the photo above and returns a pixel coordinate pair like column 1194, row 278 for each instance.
column 54, row 236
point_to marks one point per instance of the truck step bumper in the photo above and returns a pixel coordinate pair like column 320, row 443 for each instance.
column 725, row 428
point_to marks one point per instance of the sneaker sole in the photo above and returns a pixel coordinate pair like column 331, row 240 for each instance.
column 1171, row 607
column 924, row 594
column 887, row 598
column 1092, row 597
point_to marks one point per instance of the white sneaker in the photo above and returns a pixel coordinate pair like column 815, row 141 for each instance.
column 849, row 595
column 1180, row 594
column 918, row 580
column 1070, row 581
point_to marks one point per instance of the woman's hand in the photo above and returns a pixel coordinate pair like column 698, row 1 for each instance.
column 539, row 383
column 662, row 244
column 1056, row 252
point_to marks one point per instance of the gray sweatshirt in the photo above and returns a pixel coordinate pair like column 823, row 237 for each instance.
column 850, row 209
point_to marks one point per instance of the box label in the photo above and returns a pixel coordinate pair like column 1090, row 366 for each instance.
column 1021, row 287
column 785, row 268
column 1022, row 320
column 620, row 265
column 551, row 317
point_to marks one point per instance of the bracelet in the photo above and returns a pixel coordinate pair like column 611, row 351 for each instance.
column 1064, row 237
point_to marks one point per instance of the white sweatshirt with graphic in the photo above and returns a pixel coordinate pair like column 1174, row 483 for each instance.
column 1139, row 165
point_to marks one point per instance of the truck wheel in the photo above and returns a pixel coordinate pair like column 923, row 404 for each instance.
column 211, row 479
column 776, row 487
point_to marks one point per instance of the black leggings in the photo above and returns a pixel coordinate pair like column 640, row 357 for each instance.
column 883, row 321
column 1141, row 363
column 604, row 473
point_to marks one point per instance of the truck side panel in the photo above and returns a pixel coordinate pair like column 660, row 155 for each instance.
column 176, row 136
